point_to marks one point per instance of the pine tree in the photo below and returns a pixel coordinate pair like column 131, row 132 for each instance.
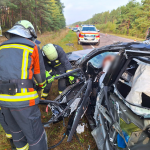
column 44, row 15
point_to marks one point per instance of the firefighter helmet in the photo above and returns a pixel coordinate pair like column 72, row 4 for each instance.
column 22, row 28
column 50, row 52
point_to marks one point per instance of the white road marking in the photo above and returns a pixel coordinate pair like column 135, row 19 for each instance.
column 92, row 46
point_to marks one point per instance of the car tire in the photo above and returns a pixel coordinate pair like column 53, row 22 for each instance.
column 97, row 44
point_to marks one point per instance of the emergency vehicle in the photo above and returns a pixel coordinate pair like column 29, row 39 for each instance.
column 89, row 34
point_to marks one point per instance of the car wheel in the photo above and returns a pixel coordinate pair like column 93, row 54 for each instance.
column 97, row 44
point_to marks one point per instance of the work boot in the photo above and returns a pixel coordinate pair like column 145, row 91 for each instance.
column 60, row 92
column 26, row 147
column 42, row 98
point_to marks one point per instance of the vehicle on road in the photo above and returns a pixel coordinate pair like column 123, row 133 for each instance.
column 76, row 29
column 89, row 34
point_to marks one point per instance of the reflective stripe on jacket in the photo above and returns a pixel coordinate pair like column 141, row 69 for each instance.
column 20, row 58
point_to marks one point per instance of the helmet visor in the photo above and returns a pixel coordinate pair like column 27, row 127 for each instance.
column 18, row 30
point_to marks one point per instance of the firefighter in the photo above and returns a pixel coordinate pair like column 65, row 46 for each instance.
column 20, row 60
column 56, row 63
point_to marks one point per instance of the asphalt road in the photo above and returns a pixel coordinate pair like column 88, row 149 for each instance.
column 106, row 39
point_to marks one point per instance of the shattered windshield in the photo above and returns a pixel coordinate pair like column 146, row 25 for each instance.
column 97, row 60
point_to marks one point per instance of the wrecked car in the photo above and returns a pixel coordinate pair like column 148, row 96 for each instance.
column 112, row 91
column 122, row 111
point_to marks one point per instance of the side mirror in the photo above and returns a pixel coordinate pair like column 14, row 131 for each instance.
column 98, row 30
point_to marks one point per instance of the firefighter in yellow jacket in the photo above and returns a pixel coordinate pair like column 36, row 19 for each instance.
column 20, row 61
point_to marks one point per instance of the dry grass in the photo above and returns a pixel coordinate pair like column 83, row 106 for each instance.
column 52, row 37
column 61, row 38
column 4, row 145
column 56, row 131
column 48, row 37
column 70, row 38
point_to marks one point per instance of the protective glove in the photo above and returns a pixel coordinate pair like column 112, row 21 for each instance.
column 57, row 75
column 47, row 74
column 71, row 79
column 49, row 78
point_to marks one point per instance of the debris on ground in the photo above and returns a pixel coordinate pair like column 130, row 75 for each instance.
column 70, row 44
column 80, row 128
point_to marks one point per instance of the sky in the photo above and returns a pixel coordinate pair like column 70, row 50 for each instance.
column 81, row 10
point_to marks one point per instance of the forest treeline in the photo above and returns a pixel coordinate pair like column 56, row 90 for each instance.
column 45, row 15
column 132, row 19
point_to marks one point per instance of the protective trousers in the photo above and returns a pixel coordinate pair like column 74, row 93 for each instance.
column 26, row 127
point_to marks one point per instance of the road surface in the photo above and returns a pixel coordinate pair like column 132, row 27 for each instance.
column 106, row 39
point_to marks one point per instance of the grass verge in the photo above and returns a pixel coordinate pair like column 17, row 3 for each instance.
column 61, row 38
column 72, row 39
column 52, row 37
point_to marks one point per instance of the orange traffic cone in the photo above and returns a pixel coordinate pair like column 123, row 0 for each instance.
column 134, row 40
